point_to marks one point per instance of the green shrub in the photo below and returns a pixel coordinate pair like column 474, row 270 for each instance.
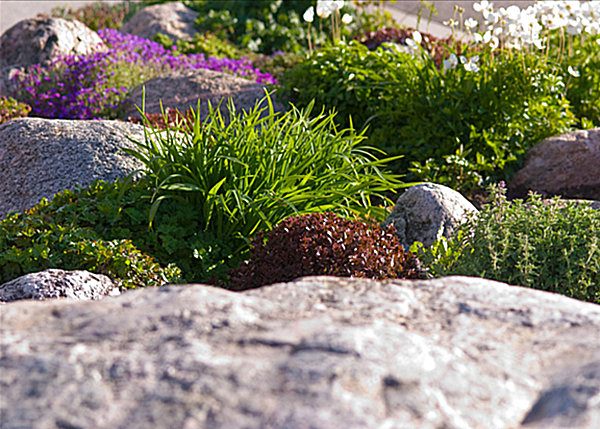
column 11, row 109
column 324, row 244
column 86, row 229
column 552, row 245
column 247, row 173
column 583, row 80
column 456, row 127
column 207, row 44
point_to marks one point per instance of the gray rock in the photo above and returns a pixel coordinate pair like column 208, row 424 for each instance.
column 183, row 90
column 53, row 283
column 40, row 40
column 426, row 212
column 316, row 353
column 173, row 19
column 567, row 165
column 40, row 157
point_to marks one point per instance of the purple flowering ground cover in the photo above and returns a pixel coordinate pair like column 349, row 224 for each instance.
column 93, row 86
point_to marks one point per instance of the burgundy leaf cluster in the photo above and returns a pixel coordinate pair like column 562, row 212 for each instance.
column 438, row 48
column 324, row 244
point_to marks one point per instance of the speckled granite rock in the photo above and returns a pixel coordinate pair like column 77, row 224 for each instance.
column 173, row 19
column 567, row 165
column 426, row 212
column 40, row 157
column 39, row 40
column 316, row 353
column 182, row 91
column 53, row 283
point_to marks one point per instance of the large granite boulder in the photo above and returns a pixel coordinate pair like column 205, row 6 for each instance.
column 173, row 19
column 183, row 90
column 40, row 157
column 53, row 283
column 41, row 40
column 316, row 353
column 427, row 212
column 567, row 165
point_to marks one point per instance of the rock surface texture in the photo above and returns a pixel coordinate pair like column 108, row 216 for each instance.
column 172, row 19
column 40, row 157
column 52, row 283
column 40, row 40
column 567, row 165
column 182, row 91
column 426, row 212
column 319, row 352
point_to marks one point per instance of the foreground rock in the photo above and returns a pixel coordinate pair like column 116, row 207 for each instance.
column 40, row 157
column 182, row 91
column 567, row 165
column 173, row 19
column 41, row 40
column 52, row 283
column 426, row 212
column 316, row 353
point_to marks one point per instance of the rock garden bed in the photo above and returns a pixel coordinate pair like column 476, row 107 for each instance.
column 242, row 144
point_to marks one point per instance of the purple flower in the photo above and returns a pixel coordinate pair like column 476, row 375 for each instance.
column 93, row 85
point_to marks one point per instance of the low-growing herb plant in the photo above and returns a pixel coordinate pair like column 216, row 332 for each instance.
column 324, row 244
column 552, row 245
column 88, row 230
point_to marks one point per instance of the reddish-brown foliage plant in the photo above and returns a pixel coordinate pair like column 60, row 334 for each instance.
column 324, row 244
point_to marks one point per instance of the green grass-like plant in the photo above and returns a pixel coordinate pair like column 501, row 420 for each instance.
column 552, row 245
column 243, row 172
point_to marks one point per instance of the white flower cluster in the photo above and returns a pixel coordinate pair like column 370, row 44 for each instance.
column 521, row 28
column 324, row 10
column 470, row 64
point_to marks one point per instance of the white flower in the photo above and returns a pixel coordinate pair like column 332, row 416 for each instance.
column 513, row 13
column 416, row 36
column 573, row 72
column 470, row 23
column 451, row 62
column 323, row 9
column 337, row 5
column 451, row 23
column 347, row 19
column 309, row 15
column 470, row 65
column 482, row 5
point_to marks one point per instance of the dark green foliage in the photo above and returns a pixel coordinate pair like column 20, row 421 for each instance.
column 324, row 244
column 11, row 109
column 260, row 25
column 583, row 91
column 552, row 245
column 454, row 127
